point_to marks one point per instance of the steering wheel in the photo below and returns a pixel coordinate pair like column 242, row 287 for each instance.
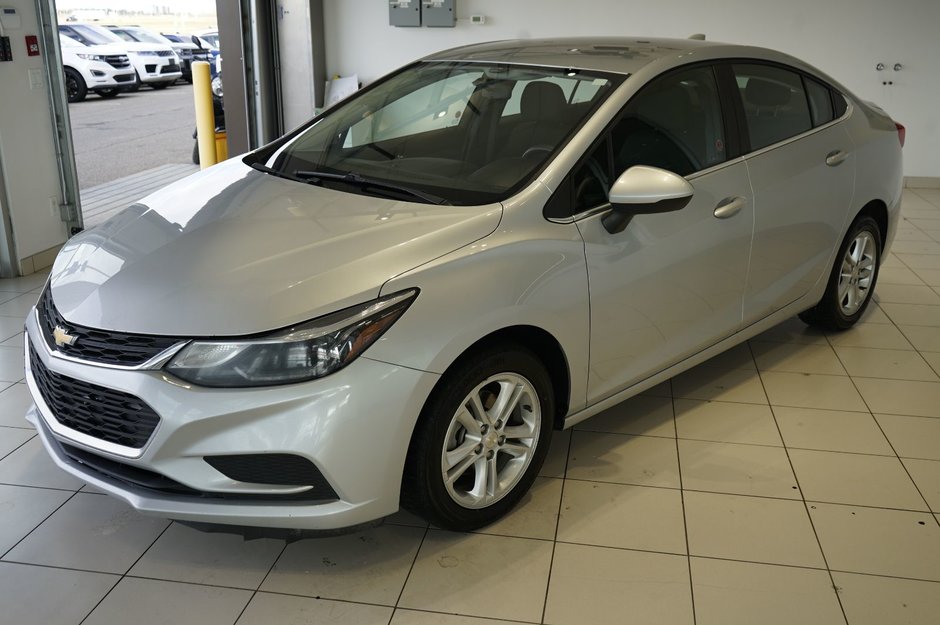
column 535, row 149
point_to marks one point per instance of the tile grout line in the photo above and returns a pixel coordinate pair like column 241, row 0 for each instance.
column 427, row 531
column 124, row 574
column 9, row 453
column 896, row 455
column 561, row 502
column 59, row 507
column 685, row 519
column 257, row 589
column 822, row 552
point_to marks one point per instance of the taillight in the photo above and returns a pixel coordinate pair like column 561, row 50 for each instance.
column 902, row 132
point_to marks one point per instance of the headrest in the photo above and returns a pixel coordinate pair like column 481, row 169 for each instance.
column 761, row 92
column 541, row 99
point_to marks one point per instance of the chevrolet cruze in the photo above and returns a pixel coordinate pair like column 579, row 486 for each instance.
column 397, row 303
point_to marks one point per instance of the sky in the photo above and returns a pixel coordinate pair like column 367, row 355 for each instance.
column 200, row 7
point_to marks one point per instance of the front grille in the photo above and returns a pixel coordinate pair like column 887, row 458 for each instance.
column 185, row 54
column 101, row 346
column 99, row 412
column 124, row 78
column 164, row 53
column 119, row 61
column 169, row 69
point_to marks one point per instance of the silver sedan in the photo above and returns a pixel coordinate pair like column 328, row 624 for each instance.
column 397, row 303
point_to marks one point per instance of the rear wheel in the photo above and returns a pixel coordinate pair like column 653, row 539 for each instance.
column 481, row 439
column 75, row 88
column 852, row 280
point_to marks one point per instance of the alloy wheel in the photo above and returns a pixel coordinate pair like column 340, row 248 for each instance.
column 491, row 440
column 858, row 270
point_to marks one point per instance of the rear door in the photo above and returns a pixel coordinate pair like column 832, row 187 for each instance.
column 802, row 171
column 670, row 284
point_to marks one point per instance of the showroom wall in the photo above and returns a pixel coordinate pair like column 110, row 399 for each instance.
column 27, row 149
column 845, row 38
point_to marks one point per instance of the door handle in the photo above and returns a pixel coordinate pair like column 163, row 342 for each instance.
column 836, row 157
column 729, row 207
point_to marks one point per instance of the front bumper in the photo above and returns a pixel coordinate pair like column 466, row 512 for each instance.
column 153, row 69
column 104, row 76
column 354, row 425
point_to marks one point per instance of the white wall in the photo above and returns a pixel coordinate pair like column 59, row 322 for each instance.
column 26, row 145
column 845, row 38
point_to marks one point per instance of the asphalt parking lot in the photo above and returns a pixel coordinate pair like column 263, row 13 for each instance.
column 132, row 132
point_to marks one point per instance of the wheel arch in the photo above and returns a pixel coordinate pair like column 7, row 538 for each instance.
column 546, row 348
column 877, row 210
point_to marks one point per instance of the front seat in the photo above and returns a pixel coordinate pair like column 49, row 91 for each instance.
column 543, row 109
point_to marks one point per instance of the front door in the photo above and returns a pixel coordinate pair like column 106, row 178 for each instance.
column 670, row 284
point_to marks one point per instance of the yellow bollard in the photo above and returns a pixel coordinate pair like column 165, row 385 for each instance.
column 205, row 119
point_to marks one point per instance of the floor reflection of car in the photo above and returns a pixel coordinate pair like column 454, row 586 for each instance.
column 399, row 301
column 155, row 63
column 102, row 69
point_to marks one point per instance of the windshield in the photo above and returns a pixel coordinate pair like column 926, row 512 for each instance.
column 136, row 34
column 468, row 133
column 92, row 35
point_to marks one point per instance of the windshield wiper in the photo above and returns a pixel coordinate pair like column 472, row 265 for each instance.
column 316, row 177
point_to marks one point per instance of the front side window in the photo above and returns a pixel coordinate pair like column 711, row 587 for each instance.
column 673, row 123
column 775, row 104
column 465, row 133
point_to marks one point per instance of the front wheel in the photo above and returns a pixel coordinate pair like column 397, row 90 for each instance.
column 480, row 440
column 157, row 86
column 111, row 92
column 852, row 280
column 75, row 87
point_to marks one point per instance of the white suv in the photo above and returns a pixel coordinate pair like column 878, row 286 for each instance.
column 104, row 69
column 156, row 64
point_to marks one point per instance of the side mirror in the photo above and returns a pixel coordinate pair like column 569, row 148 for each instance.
column 196, row 41
column 644, row 190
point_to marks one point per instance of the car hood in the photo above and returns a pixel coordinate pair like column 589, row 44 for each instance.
column 143, row 46
column 105, row 49
column 233, row 251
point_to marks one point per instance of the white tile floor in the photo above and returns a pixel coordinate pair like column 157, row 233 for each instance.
column 795, row 479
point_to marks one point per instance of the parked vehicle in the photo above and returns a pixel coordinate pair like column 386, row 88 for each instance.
column 103, row 69
column 399, row 301
column 189, row 49
column 156, row 63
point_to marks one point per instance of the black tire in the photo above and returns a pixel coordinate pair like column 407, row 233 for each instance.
column 109, row 93
column 423, row 487
column 196, row 153
column 75, row 87
column 835, row 312
column 157, row 86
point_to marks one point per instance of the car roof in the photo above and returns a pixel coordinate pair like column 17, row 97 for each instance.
column 623, row 55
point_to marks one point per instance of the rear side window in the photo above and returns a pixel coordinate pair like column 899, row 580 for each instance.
column 775, row 104
column 820, row 104
column 839, row 104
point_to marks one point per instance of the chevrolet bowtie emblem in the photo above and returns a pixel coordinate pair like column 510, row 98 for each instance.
column 62, row 337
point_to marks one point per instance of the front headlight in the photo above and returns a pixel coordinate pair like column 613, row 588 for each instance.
column 90, row 57
column 304, row 352
column 147, row 53
column 216, row 86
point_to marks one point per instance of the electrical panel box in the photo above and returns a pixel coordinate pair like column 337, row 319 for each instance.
column 404, row 12
column 441, row 13
column 9, row 18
